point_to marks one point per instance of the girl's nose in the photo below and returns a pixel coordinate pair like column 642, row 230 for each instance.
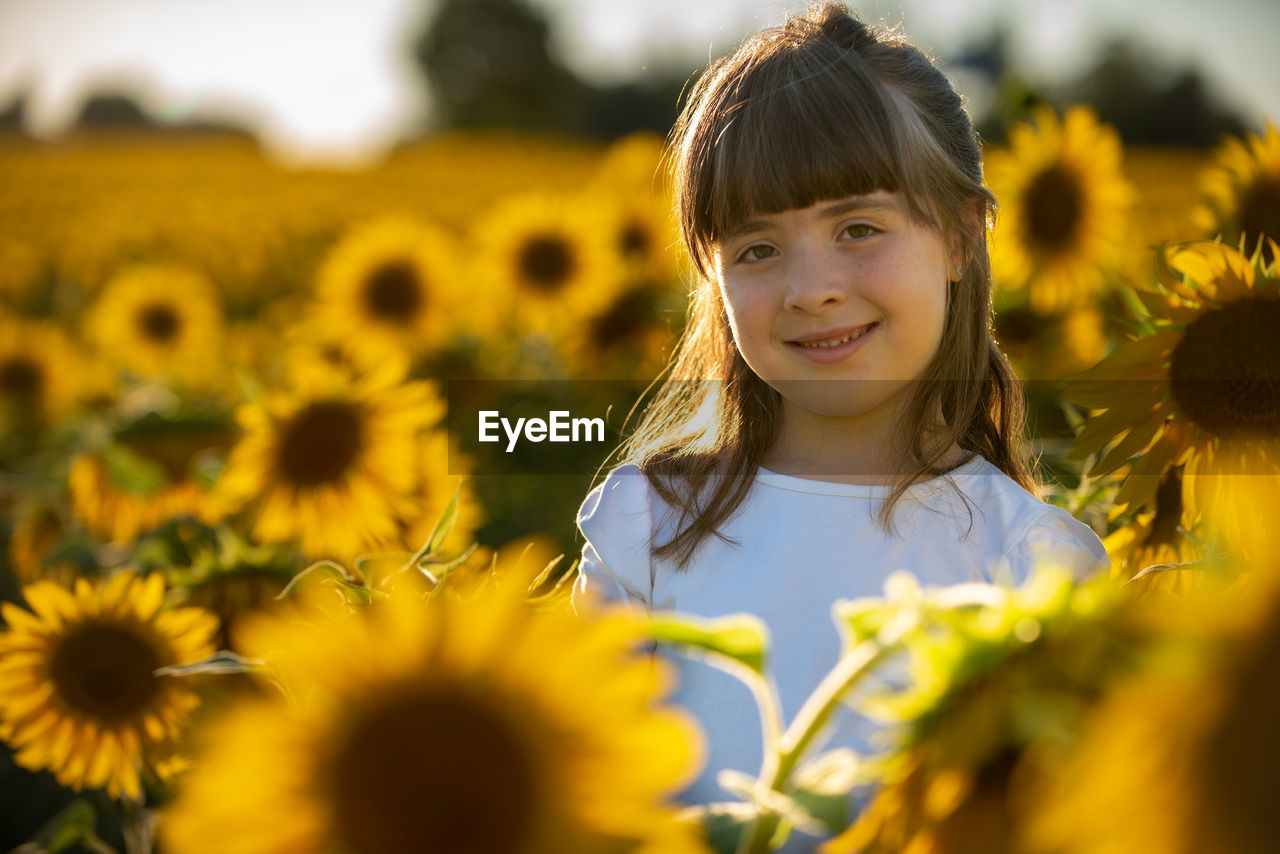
column 813, row 286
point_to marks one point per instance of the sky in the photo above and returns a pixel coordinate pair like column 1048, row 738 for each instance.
column 326, row 81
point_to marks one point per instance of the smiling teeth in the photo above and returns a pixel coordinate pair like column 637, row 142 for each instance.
column 834, row 343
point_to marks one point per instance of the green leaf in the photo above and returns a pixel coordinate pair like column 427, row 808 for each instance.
column 439, row 572
column 132, row 472
column 724, row 823
column 72, row 825
column 821, row 787
column 740, row 638
column 317, row 572
column 862, row 619
column 374, row 568
column 442, row 528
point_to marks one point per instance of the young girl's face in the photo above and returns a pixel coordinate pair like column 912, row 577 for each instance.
column 840, row 305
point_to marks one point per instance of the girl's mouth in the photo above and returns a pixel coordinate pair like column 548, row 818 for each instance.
column 836, row 341
column 836, row 347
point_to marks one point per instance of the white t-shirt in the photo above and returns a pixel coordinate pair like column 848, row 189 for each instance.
column 797, row 545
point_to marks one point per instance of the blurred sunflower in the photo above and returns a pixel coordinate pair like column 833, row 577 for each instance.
column 161, row 322
column 1188, row 747
column 629, row 337
column 389, row 286
column 151, row 472
column 632, row 181
column 312, row 341
column 1156, row 537
column 634, row 164
column 232, row 595
column 1242, row 191
column 991, row 691
column 454, row 725
column 543, row 262
column 38, row 529
column 330, row 464
column 1201, row 387
column 79, row 693
column 1064, row 205
column 38, row 374
column 644, row 237
column 1050, row 346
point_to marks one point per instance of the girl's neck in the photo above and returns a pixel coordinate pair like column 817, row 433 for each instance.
column 842, row 450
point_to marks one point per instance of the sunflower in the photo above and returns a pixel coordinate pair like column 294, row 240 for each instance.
column 1201, row 389
column 629, row 337
column 1242, row 191
column 389, row 286
column 1156, row 537
column 330, row 464
column 448, row 725
column 161, row 322
column 1050, row 346
column 635, row 190
column 1064, row 206
column 1189, row 746
column 147, row 475
column 38, row 371
column 39, row 529
column 79, row 692
column 634, row 164
column 991, row 691
column 312, row 341
column 543, row 263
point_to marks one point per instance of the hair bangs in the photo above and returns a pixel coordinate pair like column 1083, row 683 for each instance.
column 796, row 133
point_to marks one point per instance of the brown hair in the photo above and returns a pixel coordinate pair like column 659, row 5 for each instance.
column 870, row 112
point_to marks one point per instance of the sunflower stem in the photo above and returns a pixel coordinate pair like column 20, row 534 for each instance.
column 139, row 827
column 809, row 721
column 770, row 717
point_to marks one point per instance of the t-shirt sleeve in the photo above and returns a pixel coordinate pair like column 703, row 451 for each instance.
column 615, row 519
column 1056, row 538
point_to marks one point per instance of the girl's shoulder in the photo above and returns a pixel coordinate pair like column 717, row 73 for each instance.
column 621, row 500
column 1029, row 530
column 616, row 520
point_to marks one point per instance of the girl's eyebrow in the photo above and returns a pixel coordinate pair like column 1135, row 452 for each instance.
column 875, row 203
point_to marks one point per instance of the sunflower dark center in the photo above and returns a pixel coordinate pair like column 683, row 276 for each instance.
column 393, row 292
column 635, row 241
column 624, row 321
column 321, row 442
column 105, row 671
column 1260, row 214
column 433, row 772
column 1225, row 372
column 546, row 262
column 159, row 322
column 21, row 379
column 1054, row 204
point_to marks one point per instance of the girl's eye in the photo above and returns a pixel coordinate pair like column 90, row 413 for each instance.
column 756, row 252
column 859, row 229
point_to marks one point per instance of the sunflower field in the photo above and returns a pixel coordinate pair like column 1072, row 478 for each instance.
column 261, row 595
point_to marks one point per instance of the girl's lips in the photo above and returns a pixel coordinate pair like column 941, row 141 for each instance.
column 824, row 351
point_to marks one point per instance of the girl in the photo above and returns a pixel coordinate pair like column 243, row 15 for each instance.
column 837, row 409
